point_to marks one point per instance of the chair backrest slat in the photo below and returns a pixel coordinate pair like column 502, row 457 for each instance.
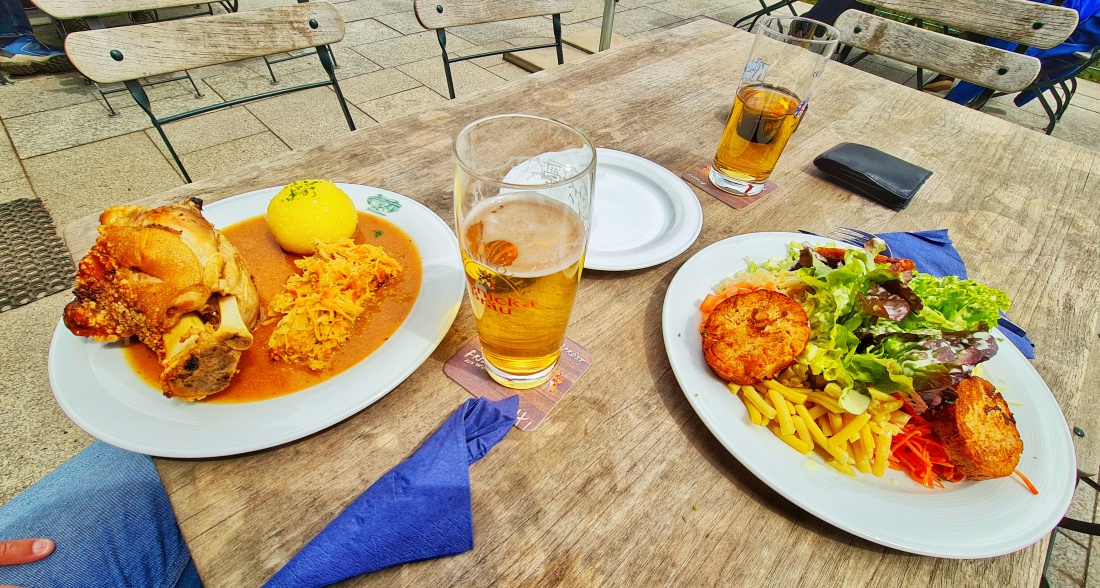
column 1022, row 21
column 164, row 47
column 439, row 14
column 66, row 9
column 1000, row 70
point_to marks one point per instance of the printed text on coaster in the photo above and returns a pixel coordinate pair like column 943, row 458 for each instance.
column 535, row 404
column 699, row 177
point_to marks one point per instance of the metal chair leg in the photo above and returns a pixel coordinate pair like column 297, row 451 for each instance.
column 1065, row 103
column 324, row 53
column 110, row 109
column 142, row 99
column 270, row 71
column 441, row 34
column 198, row 94
column 1049, row 111
column 557, row 38
column 982, row 99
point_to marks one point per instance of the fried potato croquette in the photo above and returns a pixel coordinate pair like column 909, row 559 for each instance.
column 979, row 432
column 752, row 336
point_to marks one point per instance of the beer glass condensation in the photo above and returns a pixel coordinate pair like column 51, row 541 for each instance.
column 788, row 56
column 523, row 207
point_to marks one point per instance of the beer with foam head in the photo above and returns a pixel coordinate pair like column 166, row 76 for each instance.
column 523, row 205
column 522, row 279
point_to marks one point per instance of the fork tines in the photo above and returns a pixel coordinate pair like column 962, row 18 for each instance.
column 853, row 237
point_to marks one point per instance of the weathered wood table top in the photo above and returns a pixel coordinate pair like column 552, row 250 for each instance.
column 623, row 484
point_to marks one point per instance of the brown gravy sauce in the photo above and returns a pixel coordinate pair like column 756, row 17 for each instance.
column 259, row 377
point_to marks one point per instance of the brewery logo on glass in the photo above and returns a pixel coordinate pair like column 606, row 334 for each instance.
column 482, row 291
column 755, row 71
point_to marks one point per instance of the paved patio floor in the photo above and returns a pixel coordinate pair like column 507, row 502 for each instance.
column 59, row 145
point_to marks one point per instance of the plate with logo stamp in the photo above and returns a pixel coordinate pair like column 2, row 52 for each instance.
column 101, row 392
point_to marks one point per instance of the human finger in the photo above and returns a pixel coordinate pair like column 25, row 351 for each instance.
column 21, row 551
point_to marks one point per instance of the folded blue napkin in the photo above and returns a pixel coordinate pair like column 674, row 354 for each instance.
column 418, row 510
column 934, row 254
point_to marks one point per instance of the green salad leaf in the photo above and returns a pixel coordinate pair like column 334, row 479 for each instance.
column 862, row 336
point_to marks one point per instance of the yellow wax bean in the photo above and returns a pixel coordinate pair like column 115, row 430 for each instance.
column 863, row 462
column 786, row 426
column 882, row 454
column 795, row 396
column 865, row 440
column 790, row 406
column 893, row 405
column 825, row 400
column 852, row 428
column 826, row 426
column 843, row 468
column 815, row 432
column 836, row 422
column 880, row 396
column 801, row 429
column 900, row 418
column 833, row 390
column 754, row 413
column 793, row 441
column 765, row 409
column 817, row 411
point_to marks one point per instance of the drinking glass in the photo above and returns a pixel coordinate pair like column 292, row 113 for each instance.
column 788, row 56
column 523, row 208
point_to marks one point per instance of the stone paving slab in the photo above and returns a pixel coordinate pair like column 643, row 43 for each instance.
column 225, row 157
column 84, row 180
column 307, row 118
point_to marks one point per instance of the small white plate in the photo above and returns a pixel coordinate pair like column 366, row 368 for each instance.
column 642, row 215
column 963, row 520
column 99, row 391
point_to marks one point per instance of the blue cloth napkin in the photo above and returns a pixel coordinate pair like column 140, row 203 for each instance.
column 934, row 254
column 418, row 510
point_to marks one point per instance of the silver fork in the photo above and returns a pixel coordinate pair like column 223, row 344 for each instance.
column 854, row 237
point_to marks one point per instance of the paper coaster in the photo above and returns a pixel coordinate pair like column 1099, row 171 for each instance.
column 700, row 178
column 535, row 404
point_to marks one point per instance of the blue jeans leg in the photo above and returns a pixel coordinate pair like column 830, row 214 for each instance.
column 13, row 20
column 111, row 521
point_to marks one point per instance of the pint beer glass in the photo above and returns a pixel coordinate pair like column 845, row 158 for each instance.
column 523, row 204
column 788, row 56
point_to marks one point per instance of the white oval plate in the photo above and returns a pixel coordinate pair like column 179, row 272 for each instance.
column 100, row 392
column 963, row 520
column 642, row 215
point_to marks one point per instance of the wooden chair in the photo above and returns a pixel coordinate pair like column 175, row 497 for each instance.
column 73, row 19
column 437, row 15
column 1061, row 84
column 128, row 54
column 1028, row 23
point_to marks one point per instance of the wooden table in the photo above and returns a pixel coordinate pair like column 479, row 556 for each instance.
column 623, row 485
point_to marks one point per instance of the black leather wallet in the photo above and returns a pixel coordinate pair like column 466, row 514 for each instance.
column 873, row 174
